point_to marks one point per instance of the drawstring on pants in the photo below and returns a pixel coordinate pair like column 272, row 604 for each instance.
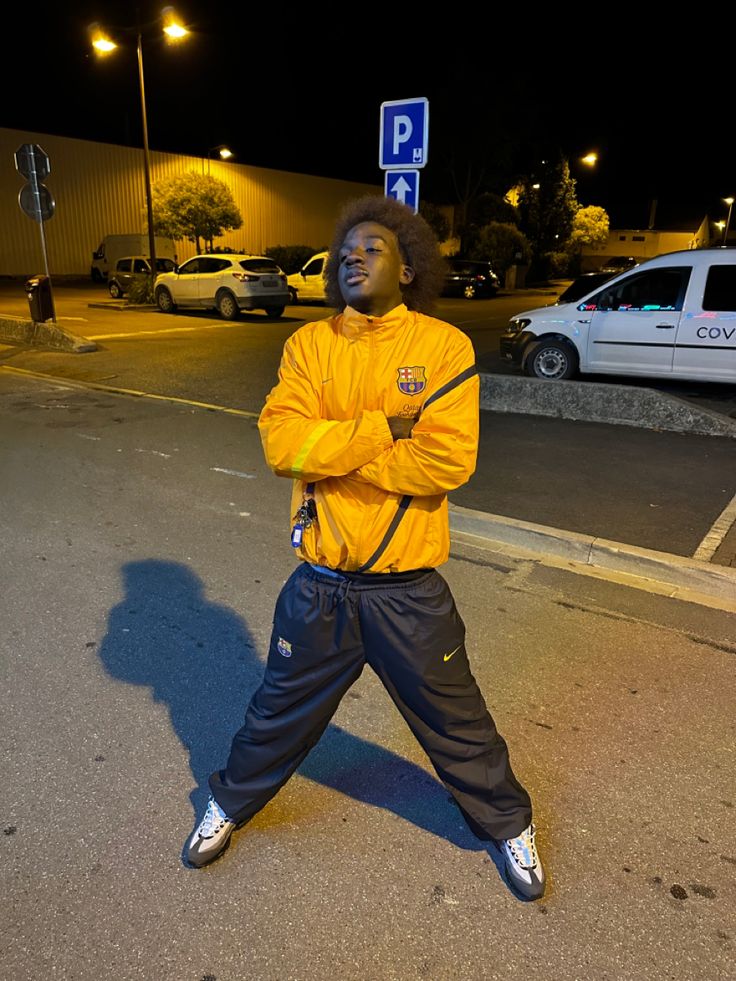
column 342, row 592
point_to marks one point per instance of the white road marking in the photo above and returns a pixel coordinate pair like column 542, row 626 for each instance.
column 85, row 436
column 234, row 473
column 115, row 390
column 150, row 333
column 718, row 531
column 166, row 456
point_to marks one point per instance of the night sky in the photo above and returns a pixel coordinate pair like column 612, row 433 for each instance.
column 286, row 89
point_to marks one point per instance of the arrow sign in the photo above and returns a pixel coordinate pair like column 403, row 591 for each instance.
column 404, row 186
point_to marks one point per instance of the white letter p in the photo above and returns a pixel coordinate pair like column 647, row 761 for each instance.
column 402, row 131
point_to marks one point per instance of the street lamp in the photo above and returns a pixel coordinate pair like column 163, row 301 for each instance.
column 103, row 45
column 224, row 151
column 729, row 202
column 590, row 159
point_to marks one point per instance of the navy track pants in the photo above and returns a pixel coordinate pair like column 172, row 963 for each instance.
column 407, row 628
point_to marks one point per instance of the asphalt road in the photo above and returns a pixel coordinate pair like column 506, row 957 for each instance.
column 657, row 490
column 482, row 321
column 144, row 544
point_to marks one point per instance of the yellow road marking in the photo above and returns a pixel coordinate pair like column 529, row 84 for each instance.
column 115, row 390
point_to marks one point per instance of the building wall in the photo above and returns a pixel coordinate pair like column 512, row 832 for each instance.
column 99, row 190
column 637, row 243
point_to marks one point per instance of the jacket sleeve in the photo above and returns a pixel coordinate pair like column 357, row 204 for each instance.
column 298, row 441
column 442, row 451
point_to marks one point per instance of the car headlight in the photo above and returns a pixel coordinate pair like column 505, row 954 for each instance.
column 517, row 324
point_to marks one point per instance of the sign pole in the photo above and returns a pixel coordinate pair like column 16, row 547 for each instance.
column 33, row 163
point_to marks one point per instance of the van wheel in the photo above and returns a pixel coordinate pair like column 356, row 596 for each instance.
column 97, row 276
column 114, row 290
column 293, row 296
column 274, row 311
column 551, row 361
column 469, row 292
column 227, row 305
column 164, row 300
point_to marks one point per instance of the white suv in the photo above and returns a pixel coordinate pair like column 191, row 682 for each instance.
column 670, row 317
column 228, row 282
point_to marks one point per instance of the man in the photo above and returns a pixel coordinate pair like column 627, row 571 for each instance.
column 375, row 418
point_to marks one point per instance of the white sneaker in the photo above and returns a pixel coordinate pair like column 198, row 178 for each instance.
column 523, row 866
column 211, row 837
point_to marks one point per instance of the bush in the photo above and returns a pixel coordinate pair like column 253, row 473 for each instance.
column 502, row 244
column 291, row 258
column 141, row 290
column 560, row 264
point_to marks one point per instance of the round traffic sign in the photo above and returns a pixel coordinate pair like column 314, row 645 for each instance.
column 39, row 206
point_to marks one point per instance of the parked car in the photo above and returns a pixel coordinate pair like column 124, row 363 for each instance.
column 225, row 282
column 114, row 247
column 309, row 283
column 470, row 278
column 672, row 317
column 582, row 286
column 618, row 264
column 132, row 267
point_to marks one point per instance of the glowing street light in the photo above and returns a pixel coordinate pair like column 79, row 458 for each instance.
column 590, row 159
column 224, row 151
column 729, row 202
column 103, row 45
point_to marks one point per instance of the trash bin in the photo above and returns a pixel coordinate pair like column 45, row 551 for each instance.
column 40, row 300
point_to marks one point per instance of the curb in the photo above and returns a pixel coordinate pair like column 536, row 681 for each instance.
column 679, row 574
column 19, row 330
column 618, row 405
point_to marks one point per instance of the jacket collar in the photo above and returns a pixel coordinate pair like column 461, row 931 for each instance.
column 354, row 323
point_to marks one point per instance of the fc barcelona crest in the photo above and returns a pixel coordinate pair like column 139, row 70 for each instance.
column 411, row 381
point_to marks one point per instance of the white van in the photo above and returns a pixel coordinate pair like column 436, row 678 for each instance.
column 670, row 317
column 114, row 247
column 308, row 285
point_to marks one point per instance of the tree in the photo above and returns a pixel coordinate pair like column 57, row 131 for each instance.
column 590, row 227
column 502, row 244
column 194, row 207
column 436, row 219
column 547, row 207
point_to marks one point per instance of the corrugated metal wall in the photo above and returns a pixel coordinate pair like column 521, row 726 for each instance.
column 99, row 190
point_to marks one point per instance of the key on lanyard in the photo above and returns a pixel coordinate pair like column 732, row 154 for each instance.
column 304, row 517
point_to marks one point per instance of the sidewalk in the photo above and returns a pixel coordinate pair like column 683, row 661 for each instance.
column 144, row 544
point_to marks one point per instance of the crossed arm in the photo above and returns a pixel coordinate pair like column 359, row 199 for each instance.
column 429, row 455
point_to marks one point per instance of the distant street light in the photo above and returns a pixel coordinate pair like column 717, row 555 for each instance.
column 224, row 151
column 590, row 159
column 103, row 44
column 729, row 202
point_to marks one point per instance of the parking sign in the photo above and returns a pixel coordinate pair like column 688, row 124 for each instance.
column 404, row 134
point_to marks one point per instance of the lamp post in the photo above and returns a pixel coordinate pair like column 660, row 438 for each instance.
column 224, row 151
column 103, row 45
column 729, row 202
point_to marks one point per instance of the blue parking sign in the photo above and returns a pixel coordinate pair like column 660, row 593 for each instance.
column 404, row 186
column 404, row 134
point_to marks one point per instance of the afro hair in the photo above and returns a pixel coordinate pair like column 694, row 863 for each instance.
column 417, row 245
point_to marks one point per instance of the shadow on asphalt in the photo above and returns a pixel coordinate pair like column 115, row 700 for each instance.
column 200, row 660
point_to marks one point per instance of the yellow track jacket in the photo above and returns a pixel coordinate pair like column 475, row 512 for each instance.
column 325, row 425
